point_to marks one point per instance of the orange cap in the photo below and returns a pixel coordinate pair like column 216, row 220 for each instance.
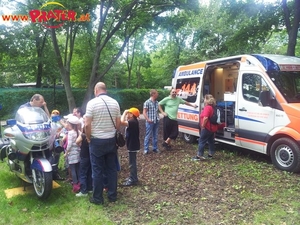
column 134, row 111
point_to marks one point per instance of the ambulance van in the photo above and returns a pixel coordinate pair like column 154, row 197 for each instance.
column 258, row 101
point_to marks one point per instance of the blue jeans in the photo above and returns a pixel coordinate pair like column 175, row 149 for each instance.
column 151, row 129
column 85, row 175
column 103, row 154
column 209, row 137
column 75, row 172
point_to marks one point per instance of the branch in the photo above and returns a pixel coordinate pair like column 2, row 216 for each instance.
column 112, row 62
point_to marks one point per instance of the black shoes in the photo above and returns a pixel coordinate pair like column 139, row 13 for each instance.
column 166, row 145
column 129, row 182
column 92, row 200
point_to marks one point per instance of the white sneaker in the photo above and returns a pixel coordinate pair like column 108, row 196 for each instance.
column 80, row 194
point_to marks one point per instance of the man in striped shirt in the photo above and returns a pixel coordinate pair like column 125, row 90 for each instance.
column 102, row 120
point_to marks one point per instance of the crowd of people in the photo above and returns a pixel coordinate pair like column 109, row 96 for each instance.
column 89, row 144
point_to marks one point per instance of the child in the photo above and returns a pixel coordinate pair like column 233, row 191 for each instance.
column 73, row 151
column 132, row 142
column 85, row 165
column 56, row 128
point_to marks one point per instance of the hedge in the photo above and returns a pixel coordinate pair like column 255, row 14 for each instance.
column 12, row 98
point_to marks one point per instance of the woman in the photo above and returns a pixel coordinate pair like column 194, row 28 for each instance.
column 207, row 129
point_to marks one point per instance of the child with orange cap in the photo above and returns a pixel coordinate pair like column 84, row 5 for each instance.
column 129, row 119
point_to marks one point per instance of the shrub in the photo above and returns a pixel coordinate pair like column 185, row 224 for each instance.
column 12, row 98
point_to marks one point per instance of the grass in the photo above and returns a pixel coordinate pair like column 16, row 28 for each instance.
column 235, row 188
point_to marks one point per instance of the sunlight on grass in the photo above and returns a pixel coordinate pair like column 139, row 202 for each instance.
column 278, row 214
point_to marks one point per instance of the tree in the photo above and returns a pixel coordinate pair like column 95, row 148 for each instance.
column 119, row 20
column 64, row 60
column 292, row 23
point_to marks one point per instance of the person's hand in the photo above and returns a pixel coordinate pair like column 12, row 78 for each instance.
column 44, row 104
column 88, row 139
column 165, row 114
column 195, row 106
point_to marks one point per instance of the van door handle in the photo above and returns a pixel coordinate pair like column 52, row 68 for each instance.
column 243, row 109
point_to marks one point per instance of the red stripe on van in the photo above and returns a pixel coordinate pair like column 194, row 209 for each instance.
column 251, row 141
column 189, row 128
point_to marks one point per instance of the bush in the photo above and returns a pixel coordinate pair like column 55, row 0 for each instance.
column 12, row 98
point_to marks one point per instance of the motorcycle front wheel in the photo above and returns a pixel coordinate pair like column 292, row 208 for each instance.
column 42, row 183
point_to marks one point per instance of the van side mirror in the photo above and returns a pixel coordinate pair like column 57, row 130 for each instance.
column 265, row 98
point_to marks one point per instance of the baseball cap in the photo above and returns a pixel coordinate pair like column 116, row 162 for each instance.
column 134, row 111
column 68, row 116
column 73, row 119
column 55, row 111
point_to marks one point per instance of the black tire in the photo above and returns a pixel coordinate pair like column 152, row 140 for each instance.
column 42, row 184
column 188, row 138
column 285, row 155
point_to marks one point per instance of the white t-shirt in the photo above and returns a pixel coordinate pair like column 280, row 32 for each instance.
column 102, row 126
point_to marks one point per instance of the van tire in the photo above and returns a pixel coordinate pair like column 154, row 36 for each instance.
column 285, row 155
column 188, row 138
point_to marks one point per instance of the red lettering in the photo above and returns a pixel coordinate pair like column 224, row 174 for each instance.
column 15, row 18
column 6, row 17
column 51, row 15
column 71, row 15
column 64, row 15
column 186, row 116
column 34, row 14
column 58, row 13
column 23, row 17
column 43, row 17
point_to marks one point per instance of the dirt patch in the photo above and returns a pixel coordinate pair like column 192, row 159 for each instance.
column 173, row 189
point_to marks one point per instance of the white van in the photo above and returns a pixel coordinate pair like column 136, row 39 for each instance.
column 259, row 100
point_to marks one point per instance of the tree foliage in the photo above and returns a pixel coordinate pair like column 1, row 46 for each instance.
column 138, row 44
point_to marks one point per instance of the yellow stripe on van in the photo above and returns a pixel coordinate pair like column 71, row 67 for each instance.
column 192, row 66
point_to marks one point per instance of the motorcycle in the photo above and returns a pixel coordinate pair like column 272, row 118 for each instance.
column 26, row 144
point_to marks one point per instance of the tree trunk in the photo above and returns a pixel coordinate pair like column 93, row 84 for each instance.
column 292, row 26
column 40, row 49
column 65, row 74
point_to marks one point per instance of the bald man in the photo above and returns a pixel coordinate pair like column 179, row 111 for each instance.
column 102, row 120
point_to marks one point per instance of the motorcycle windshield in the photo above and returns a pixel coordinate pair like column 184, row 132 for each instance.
column 31, row 115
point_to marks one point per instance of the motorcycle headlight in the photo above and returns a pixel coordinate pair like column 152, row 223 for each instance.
column 37, row 136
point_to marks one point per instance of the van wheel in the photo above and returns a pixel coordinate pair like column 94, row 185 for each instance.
column 285, row 155
column 188, row 138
